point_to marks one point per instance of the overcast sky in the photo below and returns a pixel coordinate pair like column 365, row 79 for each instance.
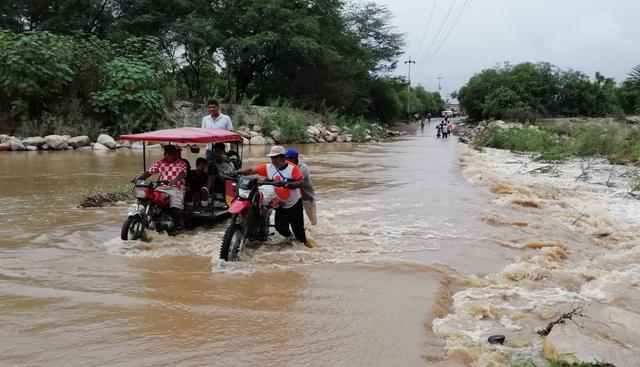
column 586, row 35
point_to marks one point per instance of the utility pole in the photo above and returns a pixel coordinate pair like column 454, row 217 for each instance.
column 409, row 84
column 439, row 80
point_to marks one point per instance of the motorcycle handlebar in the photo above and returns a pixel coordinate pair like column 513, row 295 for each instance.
column 272, row 183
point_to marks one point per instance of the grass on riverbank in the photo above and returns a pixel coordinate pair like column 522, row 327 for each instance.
column 617, row 142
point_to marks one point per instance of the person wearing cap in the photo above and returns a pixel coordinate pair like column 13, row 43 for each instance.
column 173, row 170
column 215, row 119
column 289, row 215
column 307, row 190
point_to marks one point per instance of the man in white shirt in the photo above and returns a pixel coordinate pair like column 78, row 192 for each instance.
column 217, row 120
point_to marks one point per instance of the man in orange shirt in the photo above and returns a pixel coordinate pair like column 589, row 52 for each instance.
column 290, row 212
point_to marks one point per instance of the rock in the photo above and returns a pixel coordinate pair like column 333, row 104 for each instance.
column 257, row 140
column 331, row 137
column 4, row 138
column 340, row 139
column 245, row 134
column 79, row 141
column 368, row 138
column 45, row 146
column 136, row 145
column 320, row 140
column 313, row 131
column 154, row 146
column 253, row 134
column 632, row 119
column 31, row 148
column 107, row 141
column 5, row 146
column 269, row 141
column 257, row 128
column 348, row 138
column 99, row 146
column 334, row 129
column 16, row 145
column 87, row 147
column 56, row 142
column 125, row 145
column 69, row 147
column 276, row 135
column 35, row 141
column 245, row 141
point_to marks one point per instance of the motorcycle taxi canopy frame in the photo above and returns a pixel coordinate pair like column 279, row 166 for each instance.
column 185, row 135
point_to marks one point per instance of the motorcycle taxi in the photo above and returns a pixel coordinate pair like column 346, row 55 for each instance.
column 152, row 206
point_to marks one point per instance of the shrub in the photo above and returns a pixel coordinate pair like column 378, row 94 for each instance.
column 292, row 126
column 131, row 90
column 35, row 66
column 517, row 138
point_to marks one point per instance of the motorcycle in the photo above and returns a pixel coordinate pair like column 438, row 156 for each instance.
column 153, row 211
column 251, row 215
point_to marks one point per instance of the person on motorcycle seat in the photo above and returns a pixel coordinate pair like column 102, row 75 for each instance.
column 218, row 167
column 197, row 181
column 173, row 170
column 290, row 214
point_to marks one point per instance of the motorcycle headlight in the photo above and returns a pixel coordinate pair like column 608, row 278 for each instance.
column 244, row 193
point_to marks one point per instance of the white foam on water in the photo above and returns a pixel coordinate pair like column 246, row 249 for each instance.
column 557, row 277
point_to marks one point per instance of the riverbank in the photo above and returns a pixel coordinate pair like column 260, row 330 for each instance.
column 556, row 139
column 586, row 218
column 259, row 125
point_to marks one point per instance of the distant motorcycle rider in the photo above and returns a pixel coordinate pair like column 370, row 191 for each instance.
column 290, row 212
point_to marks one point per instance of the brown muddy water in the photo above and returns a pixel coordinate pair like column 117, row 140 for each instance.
column 401, row 228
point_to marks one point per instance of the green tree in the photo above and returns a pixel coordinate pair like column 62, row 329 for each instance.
column 35, row 68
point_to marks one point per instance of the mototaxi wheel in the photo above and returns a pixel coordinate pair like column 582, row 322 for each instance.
column 132, row 228
column 232, row 242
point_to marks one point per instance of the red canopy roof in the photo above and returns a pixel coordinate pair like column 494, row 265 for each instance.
column 187, row 135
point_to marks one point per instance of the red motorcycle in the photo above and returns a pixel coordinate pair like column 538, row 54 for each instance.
column 152, row 211
column 251, row 215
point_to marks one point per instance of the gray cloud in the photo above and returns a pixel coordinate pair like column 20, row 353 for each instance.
column 586, row 35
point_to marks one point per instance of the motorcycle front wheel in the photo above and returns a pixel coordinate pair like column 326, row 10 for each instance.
column 232, row 242
column 132, row 229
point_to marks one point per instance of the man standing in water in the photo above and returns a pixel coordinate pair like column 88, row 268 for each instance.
column 307, row 190
column 171, row 169
column 290, row 212
column 217, row 120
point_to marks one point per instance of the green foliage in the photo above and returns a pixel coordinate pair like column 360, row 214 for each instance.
column 617, row 142
column 34, row 67
column 521, row 139
column 130, row 90
column 359, row 127
column 292, row 126
column 526, row 91
column 325, row 55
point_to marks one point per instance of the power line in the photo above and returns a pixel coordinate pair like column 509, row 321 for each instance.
column 454, row 24
column 446, row 17
column 427, row 26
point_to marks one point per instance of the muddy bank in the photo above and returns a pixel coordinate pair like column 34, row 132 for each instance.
column 597, row 271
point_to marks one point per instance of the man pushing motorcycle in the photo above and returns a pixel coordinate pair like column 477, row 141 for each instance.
column 290, row 212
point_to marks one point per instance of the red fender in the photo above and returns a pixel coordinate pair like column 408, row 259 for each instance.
column 238, row 206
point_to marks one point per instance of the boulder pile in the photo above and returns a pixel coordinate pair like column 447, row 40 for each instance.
column 63, row 142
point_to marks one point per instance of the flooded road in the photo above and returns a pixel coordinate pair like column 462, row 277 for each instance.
column 400, row 229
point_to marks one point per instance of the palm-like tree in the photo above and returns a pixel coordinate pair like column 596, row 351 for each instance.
column 634, row 76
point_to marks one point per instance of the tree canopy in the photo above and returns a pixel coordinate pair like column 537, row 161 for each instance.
column 327, row 55
column 529, row 90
